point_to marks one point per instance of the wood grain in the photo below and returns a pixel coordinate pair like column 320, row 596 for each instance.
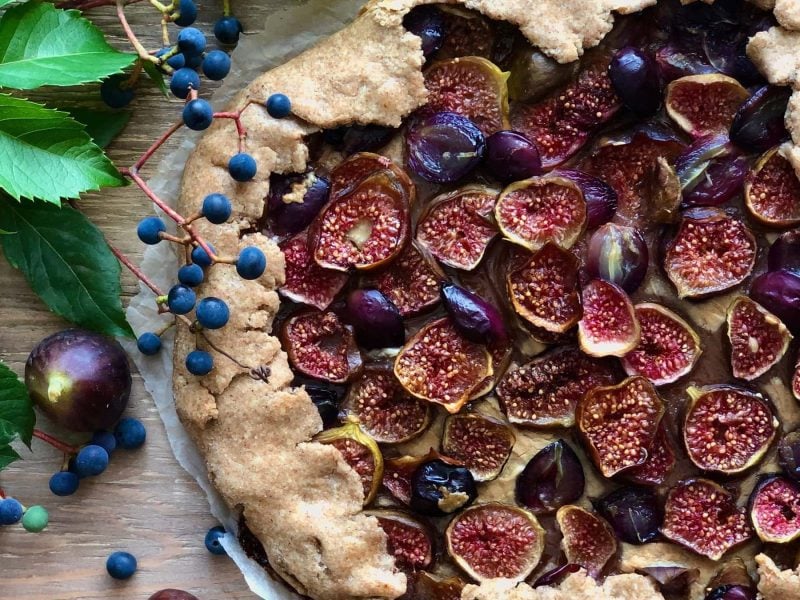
column 145, row 503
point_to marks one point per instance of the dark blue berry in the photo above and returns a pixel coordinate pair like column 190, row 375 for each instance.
column 279, row 106
column 91, row 460
column 104, row 439
column 191, row 41
column 149, row 229
column 10, row 511
column 216, row 208
column 130, row 433
column 64, row 483
column 212, row 313
column 251, row 263
column 201, row 257
column 187, row 13
column 121, row 565
column 149, row 344
column 177, row 61
column 181, row 299
column 227, row 30
column 115, row 92
column 191, row 275
column 199, row 362
column 213, row 537
column 198, row 114
column 183, row 80
column 216, row 65
column 242, row 167
column 194, row 61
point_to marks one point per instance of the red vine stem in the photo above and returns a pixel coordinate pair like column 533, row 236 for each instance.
column 55, row 443
column 2, row 494
column 135, row 270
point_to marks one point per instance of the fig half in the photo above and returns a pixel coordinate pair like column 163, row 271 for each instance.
column 775, row 509
column 772, row 191
column 411, row 283
column 480, row 443
column 552, row 478
column 408, row 539
column 704, row 104
column 758, row 338
column 609, row 325
column 306, row 282
column 359, row 451
column 659, row 464
column 588, row 539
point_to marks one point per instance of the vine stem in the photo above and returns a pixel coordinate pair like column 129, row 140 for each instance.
column 2, row 494
column 126, row 27
column 138, row 273
column 55, row 443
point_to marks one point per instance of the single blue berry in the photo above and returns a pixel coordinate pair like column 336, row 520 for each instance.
column 227, row 30
column 104, row 439
column 198, row 114
column 212, row 313
column 191, row 41
column 191, row 275
column 193, row 62
column 216, row 208
column 251, row 263
column 213, row 537
column 64, row 483
column 181, row 299
column 279, row 106
column 10, row 511
column 177, row 61
column 91, row 460
column 216, row 65
column 130, row 433
column 183, row 80
column 199, row 362
column 149, row 343
column 201, row 257
column 187, row 13
column 116, row 92
column 242, row 167
column 121, row 565
column 149, row 230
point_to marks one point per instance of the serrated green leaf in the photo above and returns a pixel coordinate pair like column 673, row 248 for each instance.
column 101, row 125
column 16, row 409
column 53, row 156
column 42, row 45
column 67, row 262
column 156, row 76
column 7, row 456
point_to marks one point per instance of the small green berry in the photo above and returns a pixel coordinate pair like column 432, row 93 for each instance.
column 35, row 519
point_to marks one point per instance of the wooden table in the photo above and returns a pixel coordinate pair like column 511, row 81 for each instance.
column 145, row 503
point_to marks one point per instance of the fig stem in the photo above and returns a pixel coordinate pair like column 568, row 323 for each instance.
column 54, row 442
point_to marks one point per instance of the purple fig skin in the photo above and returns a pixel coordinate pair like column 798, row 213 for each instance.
column 376, row 321
column 473, row 317
column 759, row 123
column 724, row 179
column 172, row 594
column 601, row 199
column 779, row 293
column 785, row 253
column 510, row 156
column 79, row 379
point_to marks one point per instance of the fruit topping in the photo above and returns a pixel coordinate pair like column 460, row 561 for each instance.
column 758, row 339
column 439, row 365
column 711, row 253
column 360, row 452
column 546, row 126
column 383, row 409
column 472, row 316
column 408, row 539
column 775, row 509
column 785, row 252
column 591, row 100
column 427, row 23
column 732, row 592
column 294, row 201
column 779, row 293
column 772, row 191
column 600, row 198
column 673, row 580
column 545, row 391
column 349, row 174
column 659, row 464
column 321, row 346
column 636, row 80
column 618, row 254
column 633, row 513
column 588, row 540
column 412, row 282
column 727, row 429
column 495, row 540
column 552, row 478
column 535, row 75
column 359, row 138
column 466, row 33
column 668, row 348
column 732, row 582
column 439, row 488
column 703, row 517
column 789, row 454
column 796, row 381
column 544, row 289
column 327, row 399
column 472, row 87
column 510, row 156
column 306, row 282
column 710, row 172
column 619, row 423
column 375, row 320
column 397, row 473
column 554, row 577
column 457, row 228
column 609, row 326
column 704, row 104
column 480, row 443
column 444, row 147
column 425, row 586
column 759, row 122
column 540, row 210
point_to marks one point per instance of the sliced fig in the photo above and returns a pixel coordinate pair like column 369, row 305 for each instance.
column 383, row 409
column 545, row 125
column 350, row 173
column 476, row 319
column 534, row 75
column 552, row 478
column 703, row 517
column 397, row 473
column 466, row 33
column 482, row 444
column 704, row 104
column 456, row 228
column 494, row 540
column 711, row 253
column 545, row 391
column 588, row 539
column 796, row 381
column 591, row 100
column 668, row 348
column 439, row 488
column 618, row 254
column 501, row 358
column 544, row 289
column 772, row 191
column 609, row 326
column 319, row 345
column 601, row 199
column 727, row 429
column 659, row 464
column 412, row 282
column 758, row 338
column 775, row 509
column 634, row 514
column 441, row 366
column 619, row 423
column 306, row 282
column 408, row 539
column 360, row 452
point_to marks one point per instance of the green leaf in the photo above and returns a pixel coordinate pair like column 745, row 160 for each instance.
column 67, row 262
column 101, row 125
column 157, row 76
column 53, row 156
column 16, row 409
column 7, row 456
column 4, row 2
column 42, row 45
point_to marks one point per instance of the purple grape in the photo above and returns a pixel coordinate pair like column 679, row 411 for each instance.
column 359, row 138
column 789, row 454
column 785, row 253
column 680, row 58
column 427, row 23
column 473, row 317
column 601, row 199
column 636, row 80
column 633, row 513
column 779, row 293
column 732, row 592
column 618, row 254
column 553, row 477
column 444, row 147
column 759, row 123
column 723, row 179
column 295, row 200
column 510, row 156
column 377, row 322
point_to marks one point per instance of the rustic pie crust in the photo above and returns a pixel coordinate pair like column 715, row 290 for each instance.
column 298, row 497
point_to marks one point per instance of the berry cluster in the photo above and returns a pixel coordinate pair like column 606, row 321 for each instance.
column 34, row 518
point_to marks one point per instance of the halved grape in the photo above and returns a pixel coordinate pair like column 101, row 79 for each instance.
column 444, row 147
column 618, row 254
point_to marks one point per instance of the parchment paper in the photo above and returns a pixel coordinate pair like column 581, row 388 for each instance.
column 288, row 31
